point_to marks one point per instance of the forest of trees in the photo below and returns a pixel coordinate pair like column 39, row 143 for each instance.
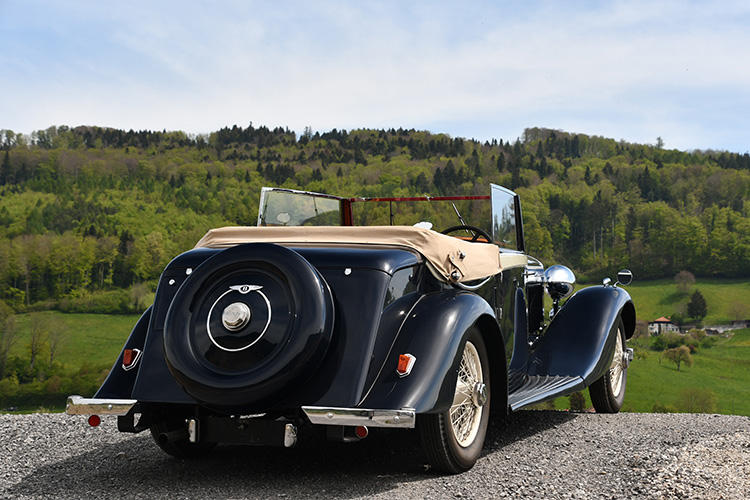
column 90, row 216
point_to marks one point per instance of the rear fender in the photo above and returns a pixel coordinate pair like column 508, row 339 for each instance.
column 119, row 383
column 578, row 342
column 434, row 333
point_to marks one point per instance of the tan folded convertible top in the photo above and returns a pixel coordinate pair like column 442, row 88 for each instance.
column 444, row 253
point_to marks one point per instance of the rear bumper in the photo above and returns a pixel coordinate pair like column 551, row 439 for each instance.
column 78, row 405
column 404, row 418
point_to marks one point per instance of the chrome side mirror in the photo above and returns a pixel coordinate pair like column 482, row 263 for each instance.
column 559, row 281
column 625, row 277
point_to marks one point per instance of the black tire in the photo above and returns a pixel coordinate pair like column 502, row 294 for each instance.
column 249, row 361
column 608, row 392
column 181, row 448
column 450, row 446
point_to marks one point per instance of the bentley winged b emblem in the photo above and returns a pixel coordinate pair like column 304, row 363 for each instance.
column 243, row 289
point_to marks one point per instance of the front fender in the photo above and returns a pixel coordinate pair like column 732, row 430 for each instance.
column 578, row 342
column 434, row 333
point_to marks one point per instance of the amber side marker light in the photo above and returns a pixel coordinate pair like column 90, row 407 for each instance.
column 129, row 358
column 405, row 364
column 95, row 420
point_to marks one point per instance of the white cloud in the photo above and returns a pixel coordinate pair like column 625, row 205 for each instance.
column 621, row 69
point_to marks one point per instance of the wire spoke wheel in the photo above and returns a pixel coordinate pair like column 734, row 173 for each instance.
column 465, row 413
column 453, row 439
column 617, row 369
column 608, row 392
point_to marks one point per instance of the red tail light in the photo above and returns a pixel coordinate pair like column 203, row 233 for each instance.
column 361, row 431
column 95, row 420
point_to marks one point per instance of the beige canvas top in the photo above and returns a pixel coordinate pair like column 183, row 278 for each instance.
column 441, row 251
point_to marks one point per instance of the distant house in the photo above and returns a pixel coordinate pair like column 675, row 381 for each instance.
column 661, row 326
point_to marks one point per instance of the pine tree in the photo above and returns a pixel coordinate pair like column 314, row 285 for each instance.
column 500, row 162
column 437, row 180
column 5, row 169
column 474, row 164
column 421, row 183
column 697, row 307
column 587, row 176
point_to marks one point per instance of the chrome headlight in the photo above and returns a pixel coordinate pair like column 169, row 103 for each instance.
column 559, row 281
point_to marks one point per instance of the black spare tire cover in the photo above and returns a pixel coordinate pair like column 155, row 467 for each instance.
column 248, row 325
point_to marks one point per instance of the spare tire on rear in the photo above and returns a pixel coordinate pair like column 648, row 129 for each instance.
column 248, row 325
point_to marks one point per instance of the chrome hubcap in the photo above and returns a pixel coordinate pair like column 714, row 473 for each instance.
column 479, row 396
column 236, row 316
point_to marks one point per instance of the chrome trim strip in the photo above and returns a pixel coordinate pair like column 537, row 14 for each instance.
column 404, row 418
column 78, row 405
column 472, row 288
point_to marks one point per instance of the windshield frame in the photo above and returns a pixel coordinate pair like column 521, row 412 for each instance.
column 346, row 211
column 509, row 201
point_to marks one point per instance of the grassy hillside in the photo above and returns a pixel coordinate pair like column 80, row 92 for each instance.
column 88, row 213
column 723, row 369
column 97, row 338
column 657, row 298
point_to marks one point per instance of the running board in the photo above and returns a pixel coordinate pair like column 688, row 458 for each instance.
column 530, row 389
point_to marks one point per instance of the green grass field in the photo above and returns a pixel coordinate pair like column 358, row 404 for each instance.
column 654, row 299
column 97, row 338
column 724, row 369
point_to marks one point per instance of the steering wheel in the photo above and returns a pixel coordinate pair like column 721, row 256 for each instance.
column 476, row 232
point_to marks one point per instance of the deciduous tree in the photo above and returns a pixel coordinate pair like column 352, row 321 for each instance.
column 8, row 335
column 39, row 331
column 577, row 401
column 739, row 311
column 696, row 400
column 684, row 280
column 56, row 339
column 679, row 355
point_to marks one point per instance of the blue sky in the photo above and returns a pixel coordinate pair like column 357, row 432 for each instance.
column 630, row 70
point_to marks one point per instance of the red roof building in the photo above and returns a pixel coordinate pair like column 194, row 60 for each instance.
column 662, row 325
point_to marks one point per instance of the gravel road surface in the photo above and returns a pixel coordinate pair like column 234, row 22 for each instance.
column 528, row 454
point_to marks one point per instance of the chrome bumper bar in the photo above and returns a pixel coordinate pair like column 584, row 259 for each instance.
column 78, row 405
column 403, row 418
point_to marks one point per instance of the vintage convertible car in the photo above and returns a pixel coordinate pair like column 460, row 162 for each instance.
column 261, row 333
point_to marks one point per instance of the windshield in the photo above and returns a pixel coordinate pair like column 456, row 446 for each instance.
column 498, row 214
column 505, row 230
column 285, row 207
column 435, row 213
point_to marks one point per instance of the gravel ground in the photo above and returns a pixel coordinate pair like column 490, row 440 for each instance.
column 528, row 454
